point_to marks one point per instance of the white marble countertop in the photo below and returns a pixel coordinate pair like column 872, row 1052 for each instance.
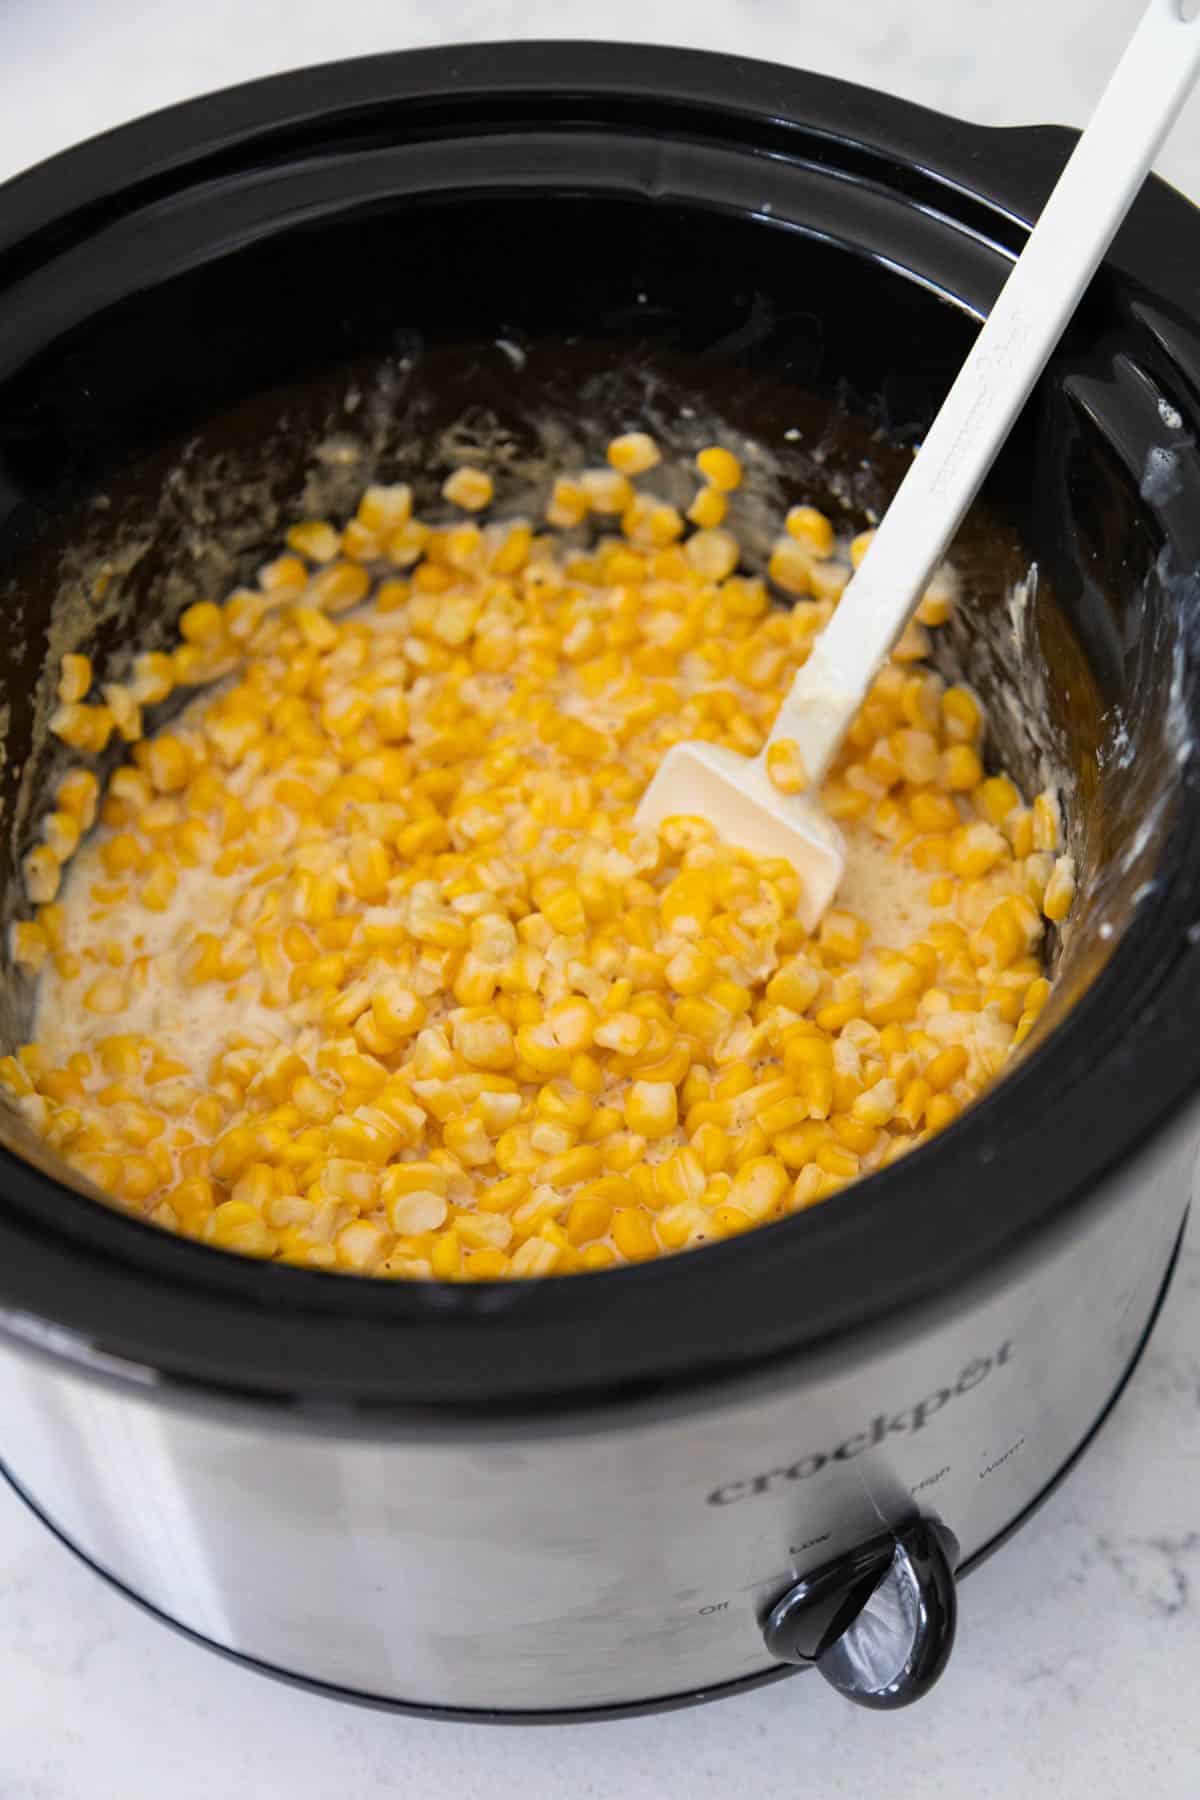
column 1080, row 1644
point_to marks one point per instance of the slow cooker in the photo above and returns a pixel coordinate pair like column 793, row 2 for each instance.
column 661, row 1483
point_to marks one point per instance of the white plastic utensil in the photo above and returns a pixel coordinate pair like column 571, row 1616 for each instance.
column 1089, row 201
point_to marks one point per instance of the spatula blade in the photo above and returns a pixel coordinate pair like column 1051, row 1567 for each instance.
column 737, row 797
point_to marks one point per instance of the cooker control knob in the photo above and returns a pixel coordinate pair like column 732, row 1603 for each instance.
column 878, row 1622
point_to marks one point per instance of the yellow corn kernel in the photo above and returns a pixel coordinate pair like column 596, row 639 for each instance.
column 407, row 544
column 758, row 1186
column 370, row 868
column 419, row 1210
column 28, row 944
column 876, row 1105
column 713, row 553
column 77, row 794
column 535, row 1257
column 200, row 960
column 961, row 768
column 109, row 993
column 153, row 678
column 676, row 1225
column 413, row 1178
column 606, row 490
column 1024, row 1026
column 921, row 701
column 977, row 848
column 1047, row 825
column 480, row 1230
column 1018, row 827
column 138, row 1179
column 782, row 1115
column 235, row 1225
column 625, row 1033
column 708, row 509
column 75, row 725
column 679, row 1178
column 785, row 766
column 362, row 1246
column 565, row 912
column 485, row 1265
column 539, row 1050
column 910, row 1109
column 192, row 1201
column 1036, row 995
column 937, row 602
column 513, row 552
column 467, row 1138
column 15, row 1078
column 166, row 763
column 962, row 716
column 339, row 587
column 383, row 510
column 469, row 488
column 485, row 1043
column 633, row 1234
column 729, row 1221
column 1060, row 890
column 931, row 811
column 623, row 1150
column 946, row 1067
column 790, row 567
column 633, row 453
column 42, row 873
column 398, row 1010
column 568, row 503
column 202, row 623
column 659, row 526
column 800, row 1144
column 572, row 1023
column 940, row 1111
column 75, row 678
column 810, row 528
column 1010, row 930
column 720, row 468
column 445, row 1256
column 158, row 888
column 996, row 798
column 314, row 538
column 711, row 1145
column 589, row 1218
column 795, row 984
column 255, row 1186
column 691, row 970
column 835, row 1159
column 842, row 935
column 551, row 1136
column 570, row 1167
column 917, row 755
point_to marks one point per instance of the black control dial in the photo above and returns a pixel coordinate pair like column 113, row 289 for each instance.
column 878, row 1623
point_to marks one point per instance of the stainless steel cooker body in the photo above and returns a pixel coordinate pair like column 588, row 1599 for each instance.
column 602, row 1559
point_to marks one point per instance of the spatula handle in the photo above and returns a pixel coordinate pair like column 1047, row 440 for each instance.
column 1089, row 201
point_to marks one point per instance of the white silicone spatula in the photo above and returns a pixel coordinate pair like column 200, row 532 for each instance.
column 1092, row 196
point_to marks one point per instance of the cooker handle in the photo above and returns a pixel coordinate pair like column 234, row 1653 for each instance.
column 879, row 1622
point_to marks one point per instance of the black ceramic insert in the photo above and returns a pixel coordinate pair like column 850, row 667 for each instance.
column 539, row 244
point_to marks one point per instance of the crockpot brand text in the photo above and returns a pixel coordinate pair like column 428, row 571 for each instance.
column 885, row 1425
